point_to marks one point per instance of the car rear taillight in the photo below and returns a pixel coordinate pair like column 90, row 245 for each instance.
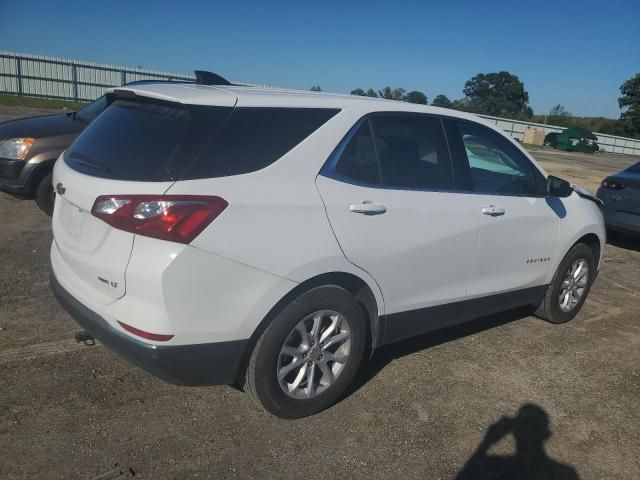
column 141, row 333
column 611, row 184
column 176, row 218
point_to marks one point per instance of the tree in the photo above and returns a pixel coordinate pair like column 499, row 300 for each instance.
column 559, row 115
column 392, row 94
column 369, row 93
column 630, row 100
column 442, row 101
column 316, row 88
column 501, row 94
column 415, row 96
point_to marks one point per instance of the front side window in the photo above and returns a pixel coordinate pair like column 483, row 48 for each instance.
column 412, row 152
column 496, row 166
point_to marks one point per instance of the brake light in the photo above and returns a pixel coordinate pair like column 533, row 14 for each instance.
column 141, row 333
column 176, row 218
column 610, row 184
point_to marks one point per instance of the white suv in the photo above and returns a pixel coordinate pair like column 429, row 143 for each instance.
column 269, row 238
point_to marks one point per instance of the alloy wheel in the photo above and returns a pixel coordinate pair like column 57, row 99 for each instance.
column 314, row 354
column 574, row 285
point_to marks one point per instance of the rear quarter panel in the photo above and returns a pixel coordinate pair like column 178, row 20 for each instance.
column 276, row 221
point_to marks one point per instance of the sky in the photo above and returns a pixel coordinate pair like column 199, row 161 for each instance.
column 575, row 53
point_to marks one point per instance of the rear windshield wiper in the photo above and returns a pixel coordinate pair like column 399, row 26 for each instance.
column 86, row 162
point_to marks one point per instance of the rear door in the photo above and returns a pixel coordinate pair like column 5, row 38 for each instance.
column 136, row 146
column 391, row 205
column 518, row 225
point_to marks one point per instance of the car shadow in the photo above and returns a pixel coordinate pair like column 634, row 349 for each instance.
column 530, row 428
column 385, row 355
column 622, row 240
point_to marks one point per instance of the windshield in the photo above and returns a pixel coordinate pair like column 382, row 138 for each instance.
column 91, row 111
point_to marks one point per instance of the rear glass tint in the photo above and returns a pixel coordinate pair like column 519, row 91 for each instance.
column 130, row 140
column 358, row 160
column 148, row 140
column 253, row 138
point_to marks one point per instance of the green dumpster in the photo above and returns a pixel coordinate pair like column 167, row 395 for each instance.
column 577, row 140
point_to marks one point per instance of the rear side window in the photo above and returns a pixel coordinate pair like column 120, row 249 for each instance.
column 253, row 138
column 412, row 152
column 149, row 140
column 358, row 160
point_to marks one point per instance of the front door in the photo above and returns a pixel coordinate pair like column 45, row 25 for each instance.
column 518, row 227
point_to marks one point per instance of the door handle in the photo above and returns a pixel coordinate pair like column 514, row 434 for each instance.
column 493, row 211
column 367, row 208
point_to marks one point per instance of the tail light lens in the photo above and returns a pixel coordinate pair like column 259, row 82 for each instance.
column 176, row 218
column 611, row 184
column 141, row 333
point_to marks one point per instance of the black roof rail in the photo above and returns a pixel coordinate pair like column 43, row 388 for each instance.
column 202, row 78
column 142, row 82
column 209, row 78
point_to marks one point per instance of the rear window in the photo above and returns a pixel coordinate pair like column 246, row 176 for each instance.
column 149, row 140
column 131, row 140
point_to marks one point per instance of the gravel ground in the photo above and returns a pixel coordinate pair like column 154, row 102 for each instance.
column 420, row 409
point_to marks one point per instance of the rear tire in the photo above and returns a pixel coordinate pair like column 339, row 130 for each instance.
column 323, row 361
column 570, row 286
column 45, row 196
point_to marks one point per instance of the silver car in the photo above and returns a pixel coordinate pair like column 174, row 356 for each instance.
column 621, row 196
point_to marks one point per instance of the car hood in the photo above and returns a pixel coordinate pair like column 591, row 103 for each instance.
column 39, row 127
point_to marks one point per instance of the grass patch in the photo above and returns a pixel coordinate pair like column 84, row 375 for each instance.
column 34, row 102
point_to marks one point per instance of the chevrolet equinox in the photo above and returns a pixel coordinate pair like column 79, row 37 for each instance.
column 273, row 238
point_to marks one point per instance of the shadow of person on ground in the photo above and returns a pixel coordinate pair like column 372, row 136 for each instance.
column 530, row 429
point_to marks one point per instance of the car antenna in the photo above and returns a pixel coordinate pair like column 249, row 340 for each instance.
column 209, row 78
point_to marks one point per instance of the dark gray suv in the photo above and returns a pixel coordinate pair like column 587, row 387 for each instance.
column 620, row 194
column 30, row 146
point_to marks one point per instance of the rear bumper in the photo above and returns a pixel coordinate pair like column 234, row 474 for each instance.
column 618, row 216
column 200, row 364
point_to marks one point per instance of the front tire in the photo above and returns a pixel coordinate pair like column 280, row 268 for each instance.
column 570, row 285
column 45, row 196
column 308, row 356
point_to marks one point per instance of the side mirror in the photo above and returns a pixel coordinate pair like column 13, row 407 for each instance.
column 557, row 187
